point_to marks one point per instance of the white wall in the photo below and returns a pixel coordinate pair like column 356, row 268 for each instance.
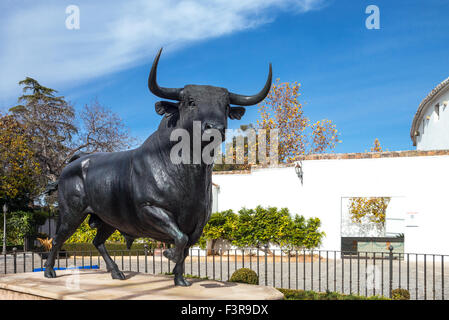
column 434, row 132
column 421, row 182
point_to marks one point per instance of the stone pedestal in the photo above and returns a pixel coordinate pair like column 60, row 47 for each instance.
column 98, row 285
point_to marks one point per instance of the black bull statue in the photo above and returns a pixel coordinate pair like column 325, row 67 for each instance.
column 141, row 192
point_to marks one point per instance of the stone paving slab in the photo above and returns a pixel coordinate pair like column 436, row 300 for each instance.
column 98, row 285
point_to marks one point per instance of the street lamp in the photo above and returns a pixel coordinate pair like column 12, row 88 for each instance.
column 5, row 208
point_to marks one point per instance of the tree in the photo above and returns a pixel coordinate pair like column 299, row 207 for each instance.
column 297, row 134
column 304, row 234
column 102, row 130
column 18, row 168
column 376, row 147
column 220, row 226
column 49, row 122
column 369, row 213
column 237, row 149
column 261, row 227
column 55, row 135
column 18, row 165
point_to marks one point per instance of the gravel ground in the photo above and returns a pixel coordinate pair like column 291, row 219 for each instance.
column 424, row 280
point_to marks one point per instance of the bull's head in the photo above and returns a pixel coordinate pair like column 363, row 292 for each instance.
column 210, row 105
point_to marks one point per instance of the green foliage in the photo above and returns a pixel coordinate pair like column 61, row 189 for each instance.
column 40, row 217
column 85, row 234
column 20, row 224
column 18, row 165
column 250, row 228
column 202, row 242
column 261, row 227
column 245, row 275
column 220, row 226
column 400, row 294
column 304, row 233
column 82, row 239
column 290, row 294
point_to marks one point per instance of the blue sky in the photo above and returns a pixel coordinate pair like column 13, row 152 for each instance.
column 369, row 82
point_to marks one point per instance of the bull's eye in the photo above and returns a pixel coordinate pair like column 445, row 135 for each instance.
column 191, row 103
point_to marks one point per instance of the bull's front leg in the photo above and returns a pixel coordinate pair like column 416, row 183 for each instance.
column 163, row 221
column 178, row 271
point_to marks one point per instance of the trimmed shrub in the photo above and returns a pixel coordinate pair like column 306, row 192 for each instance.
column 245, row 275
column 400, row 294
column 113, row 248
column 290, row 294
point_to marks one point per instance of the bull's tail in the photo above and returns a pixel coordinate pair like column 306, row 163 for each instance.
column 77, row 155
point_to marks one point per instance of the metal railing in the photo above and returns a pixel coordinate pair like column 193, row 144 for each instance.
column 362, row 273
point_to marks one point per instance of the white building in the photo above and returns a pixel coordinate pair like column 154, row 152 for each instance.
column 416, row 181
column 430, row 127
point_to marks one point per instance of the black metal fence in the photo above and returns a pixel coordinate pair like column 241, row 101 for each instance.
column 363, row 273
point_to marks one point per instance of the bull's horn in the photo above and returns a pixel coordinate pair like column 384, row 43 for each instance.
column 164, row 93
column 250, row 100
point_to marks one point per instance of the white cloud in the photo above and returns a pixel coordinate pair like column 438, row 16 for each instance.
column 35, row 42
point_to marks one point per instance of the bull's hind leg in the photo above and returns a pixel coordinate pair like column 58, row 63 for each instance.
column 72, row 206
column 104, row 231
column 163, row 221
column 70, row 221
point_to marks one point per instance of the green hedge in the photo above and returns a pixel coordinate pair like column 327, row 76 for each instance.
column 111, row 247
column 290, row 294
column 263, row 226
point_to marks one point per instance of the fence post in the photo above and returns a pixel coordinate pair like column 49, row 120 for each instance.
column 145, row 248
column 14, row 254
column 391, row 268
column 266, row 265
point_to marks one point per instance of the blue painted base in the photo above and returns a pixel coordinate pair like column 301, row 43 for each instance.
column 71, row 268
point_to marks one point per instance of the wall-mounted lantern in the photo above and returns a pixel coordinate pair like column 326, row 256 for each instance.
column 298, row 170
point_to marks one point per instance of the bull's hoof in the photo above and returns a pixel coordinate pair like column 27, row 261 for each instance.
column 117, row 274
column 181, row 281
column 171, row 255
column 49, row 272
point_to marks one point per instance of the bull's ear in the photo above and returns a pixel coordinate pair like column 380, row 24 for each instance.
column 163, row 107
column 236, row 113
